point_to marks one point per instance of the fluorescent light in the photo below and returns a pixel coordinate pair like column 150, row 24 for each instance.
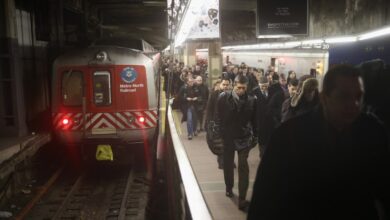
column 292, row 44
column 376, row 33
column 274, row 36
column 341, row 39
column 315, row 41
column 276, row 45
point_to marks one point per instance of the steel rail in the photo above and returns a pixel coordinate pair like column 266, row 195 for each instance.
column 122, row 210
column 26, row 210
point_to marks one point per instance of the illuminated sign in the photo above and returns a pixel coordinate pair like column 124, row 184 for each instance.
column 282, row 18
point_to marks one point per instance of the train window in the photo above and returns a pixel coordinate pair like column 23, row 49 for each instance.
column 102, row 88
column 72, row 88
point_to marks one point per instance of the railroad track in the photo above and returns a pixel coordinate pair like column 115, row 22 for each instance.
column 106, row 193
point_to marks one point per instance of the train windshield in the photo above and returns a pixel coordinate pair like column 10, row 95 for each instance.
column 72, row 88
column 102, row 88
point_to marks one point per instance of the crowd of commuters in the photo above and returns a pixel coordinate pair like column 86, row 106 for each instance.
column 186, row 84
column 321, row 154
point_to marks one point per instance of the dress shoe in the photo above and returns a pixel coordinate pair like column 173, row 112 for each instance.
column 243, row 205
column 229, row 193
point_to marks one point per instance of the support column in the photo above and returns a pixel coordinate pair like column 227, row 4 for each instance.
column 14, row 112
column 190, row 54
column 214, row 62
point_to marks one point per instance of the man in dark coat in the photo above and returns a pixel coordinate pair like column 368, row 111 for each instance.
column 236, row 114
column 330, row 163
column 201, row 102
column 211, row 111
column 261, row 92
column 273, row 112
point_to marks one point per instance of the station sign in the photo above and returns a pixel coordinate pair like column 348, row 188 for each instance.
column 282, row 18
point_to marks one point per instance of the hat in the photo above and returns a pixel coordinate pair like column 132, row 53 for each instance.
column 263, row 80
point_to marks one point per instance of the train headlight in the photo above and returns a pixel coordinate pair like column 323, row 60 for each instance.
column 101, row 56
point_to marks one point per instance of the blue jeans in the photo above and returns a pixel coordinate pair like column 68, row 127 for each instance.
column 191, row 120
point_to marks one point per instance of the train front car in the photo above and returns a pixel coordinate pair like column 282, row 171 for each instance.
column 104, row 98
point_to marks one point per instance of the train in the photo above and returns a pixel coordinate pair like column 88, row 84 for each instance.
column 106, row 95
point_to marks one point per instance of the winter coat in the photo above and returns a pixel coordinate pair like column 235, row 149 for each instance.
column 211, row 105
column 262, row 103
column 202, row 100
column 273, row 111
column 311, row 171
column 237, row 120
column 184, row 93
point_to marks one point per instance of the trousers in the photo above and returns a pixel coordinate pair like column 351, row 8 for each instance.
column 243, row 169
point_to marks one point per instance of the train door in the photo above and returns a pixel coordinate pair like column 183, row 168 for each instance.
column 101, row 107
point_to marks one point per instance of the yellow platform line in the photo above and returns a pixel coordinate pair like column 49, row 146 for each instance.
column 163, row 102
column 177, row 122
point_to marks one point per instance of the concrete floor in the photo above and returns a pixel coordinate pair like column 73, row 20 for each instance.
column 210, row 178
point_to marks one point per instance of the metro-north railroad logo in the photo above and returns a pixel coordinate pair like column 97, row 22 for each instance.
column 129, row 75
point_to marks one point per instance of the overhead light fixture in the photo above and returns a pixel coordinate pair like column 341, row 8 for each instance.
column 314, row 41
column 372, row 34
column 336, row 40
column 276, row 45
column 275, row 36
column 292, row 44
column 202, row 50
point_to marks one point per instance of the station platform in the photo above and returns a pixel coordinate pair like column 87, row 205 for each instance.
column 210, row 178
column 15, row 149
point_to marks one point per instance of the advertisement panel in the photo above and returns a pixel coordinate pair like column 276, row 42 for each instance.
column 282, row 18
column 206, row 21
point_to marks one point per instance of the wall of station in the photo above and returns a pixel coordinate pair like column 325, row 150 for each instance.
column 300, row 61
column 335, row 17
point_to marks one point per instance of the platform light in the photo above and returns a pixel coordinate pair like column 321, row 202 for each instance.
column 314, row 41
column 276, row 45
column 202, row 50
column 373, row 34
column 292, row 44
column 345, row 39
column 274, row 36
column 311, row 43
